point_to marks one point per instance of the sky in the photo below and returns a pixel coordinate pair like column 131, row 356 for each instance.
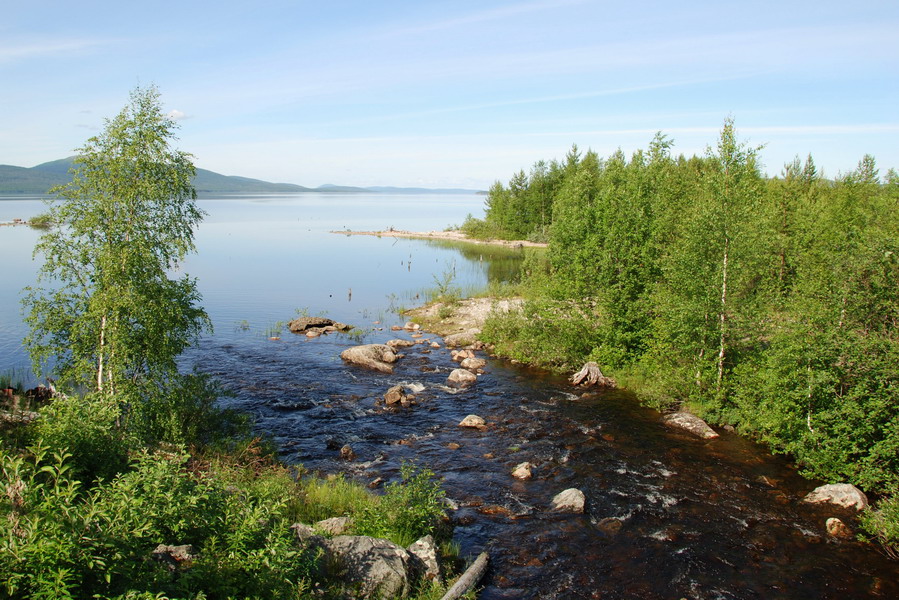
column 453, row 93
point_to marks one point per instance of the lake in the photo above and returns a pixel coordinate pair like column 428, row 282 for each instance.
column 667, row 515
column 260, row 258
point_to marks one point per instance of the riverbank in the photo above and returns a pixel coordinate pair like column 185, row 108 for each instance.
column 448, row 236
column 463, row 323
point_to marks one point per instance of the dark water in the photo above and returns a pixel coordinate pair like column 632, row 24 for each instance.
column 668, row 516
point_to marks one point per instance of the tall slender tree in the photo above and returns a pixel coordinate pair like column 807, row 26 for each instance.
column 111, row 317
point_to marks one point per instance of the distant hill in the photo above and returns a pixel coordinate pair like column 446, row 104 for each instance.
column 39, row 179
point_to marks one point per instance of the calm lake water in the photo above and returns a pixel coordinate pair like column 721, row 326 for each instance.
column 668, row 516
column 261, row 258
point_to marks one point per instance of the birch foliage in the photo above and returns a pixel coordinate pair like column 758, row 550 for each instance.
column 109, row 313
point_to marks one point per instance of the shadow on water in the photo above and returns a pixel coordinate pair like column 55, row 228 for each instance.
column 667, row 516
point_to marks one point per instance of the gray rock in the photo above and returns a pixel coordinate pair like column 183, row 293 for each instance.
column 378, row 357
column 570, row 500
column 473, row 421
column 319, row 324
column 176, row 557
column 394, row 344
column 690, row 423
column 425, row 550
column 334, row 525
column 374, row 568
column 463, row 338
column 473, row 364
column 841, row 494
column 461, row 378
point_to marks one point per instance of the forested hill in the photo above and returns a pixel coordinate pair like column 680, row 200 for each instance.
column 39, row 179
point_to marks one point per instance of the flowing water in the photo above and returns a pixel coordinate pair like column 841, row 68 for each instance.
column 667, row 516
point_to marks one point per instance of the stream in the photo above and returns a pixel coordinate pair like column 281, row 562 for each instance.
column 667, row 516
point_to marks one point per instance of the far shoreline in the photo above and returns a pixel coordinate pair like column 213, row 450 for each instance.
column 449, row 236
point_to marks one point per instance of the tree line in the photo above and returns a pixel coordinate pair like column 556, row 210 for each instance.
column 766, row 303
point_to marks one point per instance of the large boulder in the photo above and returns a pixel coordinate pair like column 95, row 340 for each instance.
column 374, row 568
column 378, row 357
column 841, row 494
column 690, row 423
column 571, row 500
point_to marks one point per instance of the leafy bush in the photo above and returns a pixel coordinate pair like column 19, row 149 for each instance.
column 62, row 540
column 409, row 509
column 882, row 524
column 86, row 428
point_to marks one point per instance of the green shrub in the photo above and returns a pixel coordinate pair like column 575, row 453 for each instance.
column 61, row 540
column 86, row 428
column 409, row 509
column 882, row 524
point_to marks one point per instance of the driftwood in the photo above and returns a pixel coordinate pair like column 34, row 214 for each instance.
column 469, row 578
column 591, row 375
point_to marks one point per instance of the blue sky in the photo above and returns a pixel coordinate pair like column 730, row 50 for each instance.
column 461, row 93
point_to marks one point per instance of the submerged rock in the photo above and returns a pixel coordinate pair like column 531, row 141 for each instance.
column 841, row 494
column 378, row 357
column 571, row 500
column 690, row 423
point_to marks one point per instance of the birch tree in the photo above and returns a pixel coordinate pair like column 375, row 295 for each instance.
column 107, row 315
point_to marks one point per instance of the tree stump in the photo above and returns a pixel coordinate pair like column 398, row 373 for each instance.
column 591, row 375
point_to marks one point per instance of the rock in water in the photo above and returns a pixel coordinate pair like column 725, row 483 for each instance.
column 372, row 356
column 690, row 423
column 473, row 421
column 838, row 529
column 571, row 500
column 304, row 324
column 841, row 494
column 522, row 471
column 473, row 364
column 461, row 378
column 377, row 568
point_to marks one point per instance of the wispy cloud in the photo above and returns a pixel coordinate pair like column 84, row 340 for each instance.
column 482, row 16
column 26, row 51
